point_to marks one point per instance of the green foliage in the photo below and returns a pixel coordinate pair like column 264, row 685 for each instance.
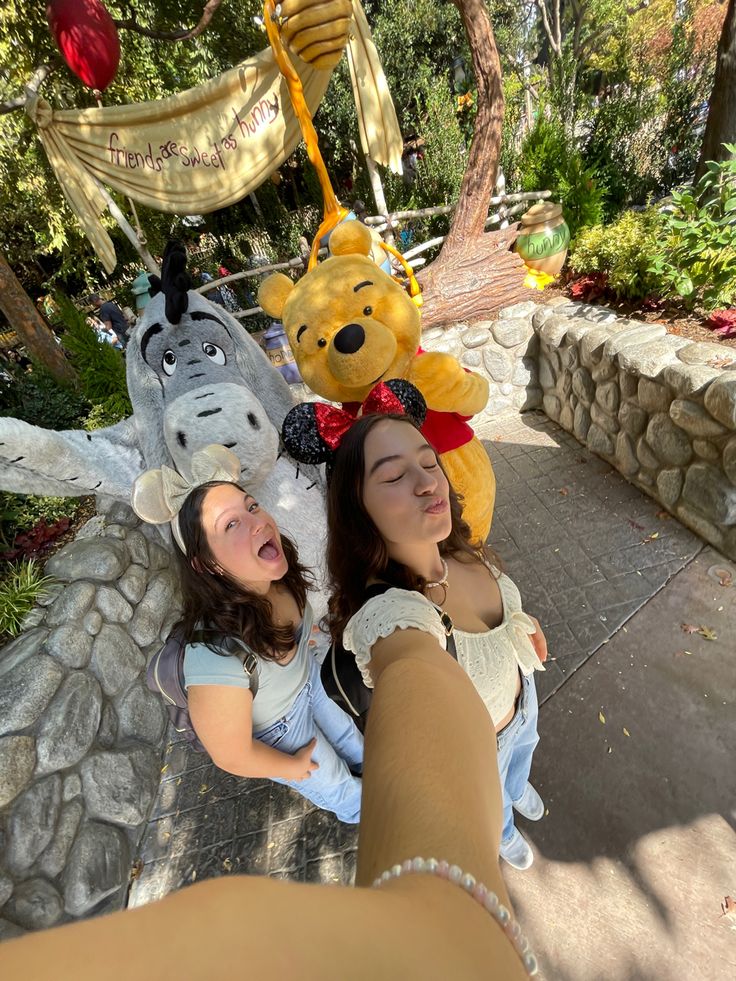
column 37, row 398
column 549, row 161
column 19, row 590
column 19, row 512
column 626, row 149
column 688, row 251
column 697, row 260
column 100, row 368
column 106, row 413
column 623, row 251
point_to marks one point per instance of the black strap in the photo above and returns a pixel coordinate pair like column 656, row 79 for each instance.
column 230, row 645
column 378, row 588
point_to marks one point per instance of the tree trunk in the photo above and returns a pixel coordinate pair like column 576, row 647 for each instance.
column 475, row 273
column 30, row 326
column 720, row 127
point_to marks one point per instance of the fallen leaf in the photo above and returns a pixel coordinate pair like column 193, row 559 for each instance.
column 708, row 633
column 227, row 864
column 725, row 578
column 165, row 767
column 689, row 628
column 564, row 491
column 601, row 718
column 626, row 731
column 635, row 524
column 728, row 906
column 649, row 538
column 137, row 868
column 203, row 789
column 663, row 515
column 680, row 653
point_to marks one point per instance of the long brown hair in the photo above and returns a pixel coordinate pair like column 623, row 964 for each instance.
column 219, row 601
column 356, row 553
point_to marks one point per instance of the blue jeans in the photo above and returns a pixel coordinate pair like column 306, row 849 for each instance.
column 516, row 743
column 339, row 748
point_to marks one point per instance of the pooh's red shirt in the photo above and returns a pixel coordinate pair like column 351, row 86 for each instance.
column 444, row 430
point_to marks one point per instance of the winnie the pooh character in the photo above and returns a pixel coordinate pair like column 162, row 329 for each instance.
column 350, row 326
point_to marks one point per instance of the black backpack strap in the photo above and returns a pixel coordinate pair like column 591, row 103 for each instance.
column 378, row 588
column 228, row 645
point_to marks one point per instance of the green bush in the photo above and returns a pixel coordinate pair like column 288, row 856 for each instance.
column 19, row 512
column 626, row 148
column 19, row 590
column 548, row 162
column 101, row 369
column 697, row 259
column 623, row 251
column 37, row 398
column 107, row 413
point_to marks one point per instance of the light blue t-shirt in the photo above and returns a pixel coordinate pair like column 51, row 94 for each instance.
column 278, row 684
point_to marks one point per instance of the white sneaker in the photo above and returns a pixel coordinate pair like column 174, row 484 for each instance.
column 530, row 805
column 517, row 851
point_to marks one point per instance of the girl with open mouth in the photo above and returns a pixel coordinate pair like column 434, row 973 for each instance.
column 266, row 714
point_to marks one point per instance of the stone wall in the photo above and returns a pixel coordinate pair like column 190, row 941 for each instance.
column 80, row 734
column 505, row 350
column 660, row 408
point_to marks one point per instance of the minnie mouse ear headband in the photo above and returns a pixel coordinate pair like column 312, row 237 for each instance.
column 313, row 431
column 158, row 495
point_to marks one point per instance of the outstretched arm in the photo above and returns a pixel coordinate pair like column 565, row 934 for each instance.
column 430, row 790
column 70, row 463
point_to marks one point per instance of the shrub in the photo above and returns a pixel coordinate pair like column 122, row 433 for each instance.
column 107, row 413
column 19, row 590
column 37, row 398
column 622, row 251
column 549, row 162
column 19, row 513
column 101, row 369
column 697, row 260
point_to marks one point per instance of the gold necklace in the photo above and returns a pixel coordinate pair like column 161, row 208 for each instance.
column 442, row 581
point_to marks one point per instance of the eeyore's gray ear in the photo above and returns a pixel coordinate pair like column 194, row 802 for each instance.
column 264, row 380
column 145, row 391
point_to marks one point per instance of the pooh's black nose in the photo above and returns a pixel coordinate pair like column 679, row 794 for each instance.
column 349, row 339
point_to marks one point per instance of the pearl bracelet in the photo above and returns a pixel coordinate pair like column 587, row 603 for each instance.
column 482, row 895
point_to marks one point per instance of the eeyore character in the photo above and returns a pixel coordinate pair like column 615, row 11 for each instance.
column 195, row 377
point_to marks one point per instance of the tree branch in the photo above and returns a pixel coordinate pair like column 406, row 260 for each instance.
column 181, row 34
column 553, row 42
column 32, row 86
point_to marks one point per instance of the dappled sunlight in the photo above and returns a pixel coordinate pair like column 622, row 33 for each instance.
column 650, row 914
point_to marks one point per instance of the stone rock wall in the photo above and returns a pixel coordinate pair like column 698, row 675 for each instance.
column 80, row 734
column 505, row 350
column 660, row 408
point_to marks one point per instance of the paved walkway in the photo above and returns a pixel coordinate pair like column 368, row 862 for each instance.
column 589, row 553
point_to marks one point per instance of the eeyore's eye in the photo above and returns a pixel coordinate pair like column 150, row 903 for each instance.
column 214, row 353
column 168, row 362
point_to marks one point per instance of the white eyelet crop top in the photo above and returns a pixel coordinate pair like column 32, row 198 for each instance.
column 491, row 658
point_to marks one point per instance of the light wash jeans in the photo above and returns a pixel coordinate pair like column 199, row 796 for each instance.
column 339, row 748
column 516, row 743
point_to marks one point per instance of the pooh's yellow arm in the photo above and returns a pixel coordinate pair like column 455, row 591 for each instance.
column 446, row 386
